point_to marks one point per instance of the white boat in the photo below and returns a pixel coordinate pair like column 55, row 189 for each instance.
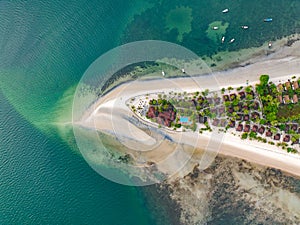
column 225, row 11
column 245, row 27
column 232, row 40
column 223, row 39
column 163, row 73
column 215, row 28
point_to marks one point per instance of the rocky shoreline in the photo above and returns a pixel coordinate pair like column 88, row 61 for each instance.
column 233, row 191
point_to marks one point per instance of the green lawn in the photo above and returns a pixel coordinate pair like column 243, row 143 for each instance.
column 289, row 111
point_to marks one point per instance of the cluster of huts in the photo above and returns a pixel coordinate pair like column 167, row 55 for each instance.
column 285, row 98
column 262, row 130
column 242, row 95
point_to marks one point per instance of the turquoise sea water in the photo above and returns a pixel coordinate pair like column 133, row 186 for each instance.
column 45, row 47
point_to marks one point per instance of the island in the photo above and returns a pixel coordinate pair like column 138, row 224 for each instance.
column 249, row 112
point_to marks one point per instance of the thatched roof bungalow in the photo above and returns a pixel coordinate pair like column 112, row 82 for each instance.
column 295, row 98
column 280, row 88
column 287, row 85
column 295, row 85
column 286, row 99
column 280, row 99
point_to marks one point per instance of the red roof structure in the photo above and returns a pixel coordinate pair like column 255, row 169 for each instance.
column 247, row 128
column 286, row 138
column 277, row 137
column 231, row 124
column 239, row 127
column 242, row 94
column 269, row 133
column 254, row 128
column 261, row 130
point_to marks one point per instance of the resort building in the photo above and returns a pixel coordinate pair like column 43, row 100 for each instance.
column 247, row 128
column 269, row 133
column 280, row 99
column 239, row 127
column 295, row 85
column 242, row 95
column 286, row 138
column 286, row 99
column 277, row 137
column 231, row 124
column 261, row 130
column 280, row 88
column 294, row 127
column 255, row 128
column 295, row 98
column 287, row 85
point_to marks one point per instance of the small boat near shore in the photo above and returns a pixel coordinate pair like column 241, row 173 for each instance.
column 232, row 40
column 268, row 20
column 225, row 11
column 215, row 28
column 223, row 39
column 244, row 27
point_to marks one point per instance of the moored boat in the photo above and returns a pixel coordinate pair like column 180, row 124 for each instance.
column 215, row 28
column 225, row 11
column 223, row 39
column 232, row 40
column 245, row 27
column 268, row 20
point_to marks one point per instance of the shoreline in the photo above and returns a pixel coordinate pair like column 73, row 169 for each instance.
column 282, row 63
column 246, row 57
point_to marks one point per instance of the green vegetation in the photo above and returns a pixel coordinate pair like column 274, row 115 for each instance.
column 252, row 135
column 269, row 100
column 177, row 125
column 291, row 113
column 244, row 136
